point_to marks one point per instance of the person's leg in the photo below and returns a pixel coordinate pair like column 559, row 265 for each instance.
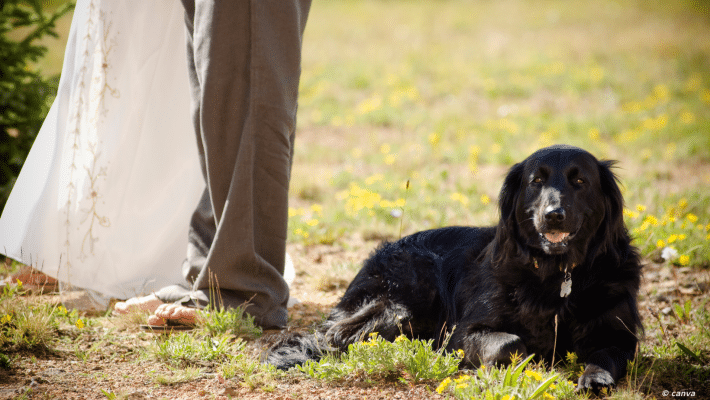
column 246, row 59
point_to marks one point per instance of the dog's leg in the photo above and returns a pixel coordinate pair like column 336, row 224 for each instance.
column 487, row 348
column 381, row 316
column 604, row 368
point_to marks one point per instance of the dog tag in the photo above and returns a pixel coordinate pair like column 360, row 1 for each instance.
column 566, row 288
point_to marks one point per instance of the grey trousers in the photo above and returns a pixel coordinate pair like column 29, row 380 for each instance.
column 244, row 60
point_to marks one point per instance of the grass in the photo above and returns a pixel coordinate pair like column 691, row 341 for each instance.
column 375, row 358
column 409, row 122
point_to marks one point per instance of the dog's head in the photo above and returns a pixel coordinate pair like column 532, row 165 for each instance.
column 557, row 201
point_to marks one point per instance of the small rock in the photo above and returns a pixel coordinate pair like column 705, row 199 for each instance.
column 52, row 371
column 139, row 395
column 666, row 310
column 230, row 391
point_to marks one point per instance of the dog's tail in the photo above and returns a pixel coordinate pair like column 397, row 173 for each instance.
column 295, row 348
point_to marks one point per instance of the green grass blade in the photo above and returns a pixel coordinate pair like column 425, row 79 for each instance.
column 689, row 352
column 543, row 387
column 520, row 367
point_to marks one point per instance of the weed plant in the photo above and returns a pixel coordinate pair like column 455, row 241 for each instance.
column 516, row 381
column 28, row 323
column 404, row 359
column 233, row 321
column 188, row 349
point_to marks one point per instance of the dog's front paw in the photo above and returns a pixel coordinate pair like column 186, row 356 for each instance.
column 498, row 348
column 595, row 379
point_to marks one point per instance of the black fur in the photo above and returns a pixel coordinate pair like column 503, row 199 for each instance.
column 560, row 209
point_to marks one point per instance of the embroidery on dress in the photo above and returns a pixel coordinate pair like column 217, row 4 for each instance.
column 86, row 172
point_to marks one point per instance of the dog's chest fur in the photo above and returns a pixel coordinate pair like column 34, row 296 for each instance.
column 534, row 304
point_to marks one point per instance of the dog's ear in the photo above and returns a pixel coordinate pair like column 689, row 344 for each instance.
column 614, row 200
column 509, row 192
column 507, row 248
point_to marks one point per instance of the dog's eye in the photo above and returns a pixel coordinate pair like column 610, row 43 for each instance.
column 537, row 180
column 579, row 181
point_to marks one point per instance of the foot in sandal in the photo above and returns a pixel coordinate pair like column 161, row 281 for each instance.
column 144, row 303
column 171, row 314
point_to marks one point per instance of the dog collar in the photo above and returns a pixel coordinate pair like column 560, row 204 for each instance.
column 566, row 287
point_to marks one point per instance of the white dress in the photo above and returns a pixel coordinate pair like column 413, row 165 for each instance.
column 105, row 196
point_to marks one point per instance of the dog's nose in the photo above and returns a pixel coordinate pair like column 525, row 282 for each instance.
column 553, row 214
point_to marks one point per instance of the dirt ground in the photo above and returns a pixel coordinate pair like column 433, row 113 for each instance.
column 118, row 367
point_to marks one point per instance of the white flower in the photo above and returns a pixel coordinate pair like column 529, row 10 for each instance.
column 669, row 253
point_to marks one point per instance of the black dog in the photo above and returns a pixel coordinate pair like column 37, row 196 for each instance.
column 557, row 274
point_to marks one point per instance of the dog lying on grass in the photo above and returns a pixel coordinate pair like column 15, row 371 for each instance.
column 557, row 274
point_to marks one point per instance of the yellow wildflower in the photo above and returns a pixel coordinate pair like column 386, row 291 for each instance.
column 443, row 385
column 660, row 91
column 369, row 105
column 79, row 323
column 653, row 221
column 660, row 244
column 630, row 214
column 684, row 260
column 705, row 96
column 456, row 196
column 687, row 117
column 692, row 218
column 462, row 386
column 672, row 238
column 312, row 222
column 462, row 378
column 533, row 374
column 640, row 208
column 373, row 335
column 317, row 208
column 385, row 148
column 485, row 199
column 596, row 73
column 390, row 159
column 644, row 226
column 473, row 152
column 434, row 139
column 374, row 178
column 460, row 353
column 6, row 319
column 548, row 396
column 594, row 134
